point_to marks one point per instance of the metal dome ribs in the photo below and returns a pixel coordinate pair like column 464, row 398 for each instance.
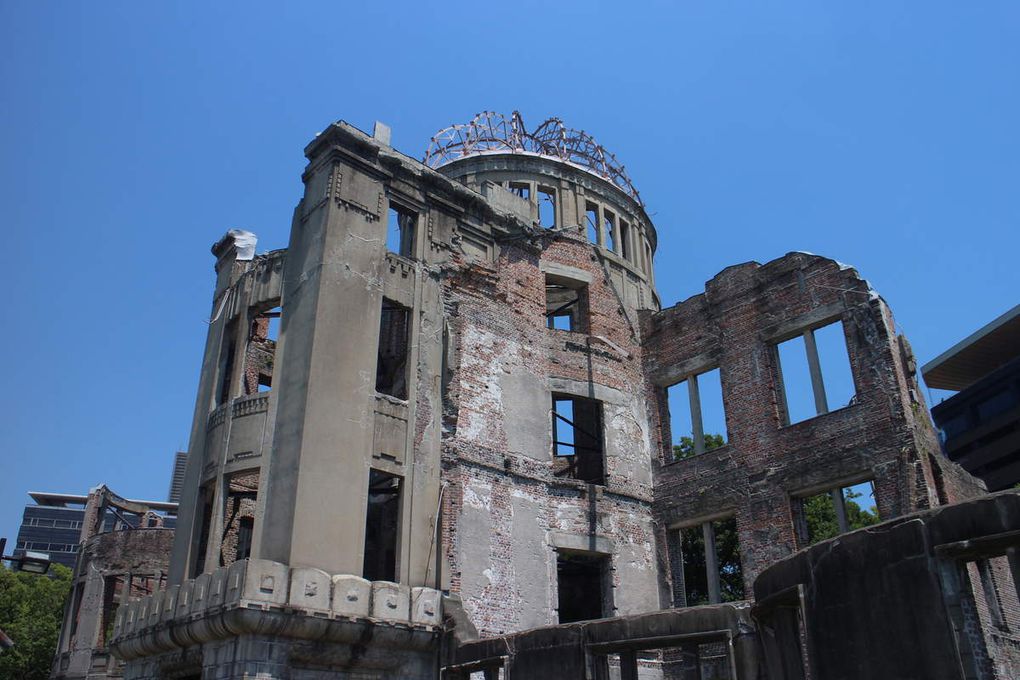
column 491, row 132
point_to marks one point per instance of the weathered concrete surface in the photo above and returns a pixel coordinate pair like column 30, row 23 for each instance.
column 578, row 650
column 885, row 602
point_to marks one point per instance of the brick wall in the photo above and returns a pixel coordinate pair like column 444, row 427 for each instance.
column 884, row 434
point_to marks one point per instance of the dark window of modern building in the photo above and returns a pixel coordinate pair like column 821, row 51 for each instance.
column 578, row 438
column 583, row 582
column 391, row 368
column 382, row 527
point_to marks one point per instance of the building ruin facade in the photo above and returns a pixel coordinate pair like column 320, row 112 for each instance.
column 442, row 414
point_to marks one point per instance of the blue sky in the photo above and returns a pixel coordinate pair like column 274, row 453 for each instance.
column 132, row 135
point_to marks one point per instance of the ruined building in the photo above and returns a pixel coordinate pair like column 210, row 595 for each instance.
column 122, row 551
column 441, row 418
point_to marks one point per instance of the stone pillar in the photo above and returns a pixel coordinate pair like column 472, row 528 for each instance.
column 317, row 485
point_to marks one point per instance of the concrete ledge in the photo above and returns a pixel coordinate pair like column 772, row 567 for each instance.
column 261, row 596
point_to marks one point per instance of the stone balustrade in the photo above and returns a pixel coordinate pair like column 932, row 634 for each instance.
column 259, row 596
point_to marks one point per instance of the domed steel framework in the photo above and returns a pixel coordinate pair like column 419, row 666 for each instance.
column 491, row 132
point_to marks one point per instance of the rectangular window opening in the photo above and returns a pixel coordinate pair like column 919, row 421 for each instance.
column 609, row 225
column 566, row 304
column 260, row 352
column 391, row 368
column 697, row 416
column 239, row 517
column 836, row 511
column 624, row 239
column 591, row 220
column 577, row 439
column 382, row 525
column 521, row 189
column 709, row 569
column 227, row 351
column 547, row 207
column 205, row 494
column 814, row 373
column 583, row 583
column 400, row 229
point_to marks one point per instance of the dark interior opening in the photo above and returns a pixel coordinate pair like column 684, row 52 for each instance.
column 581, row 579
column 382, row 523
column 391, row 369
column 577, row 434
column 226, row 364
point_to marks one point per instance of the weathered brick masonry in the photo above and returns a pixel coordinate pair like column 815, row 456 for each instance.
column 883, row 435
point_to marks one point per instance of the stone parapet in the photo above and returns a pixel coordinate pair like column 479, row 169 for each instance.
column 257, row 597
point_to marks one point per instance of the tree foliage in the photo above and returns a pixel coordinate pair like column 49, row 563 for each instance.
column 31, row 608
column 820, row 514
column 685, row 449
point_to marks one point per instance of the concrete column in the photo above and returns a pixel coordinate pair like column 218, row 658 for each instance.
column 711, row 564
column 628, row 665
column 817, row 385
column 317, row 484
column 698, row 428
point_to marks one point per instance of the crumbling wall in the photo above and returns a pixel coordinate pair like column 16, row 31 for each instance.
column 883, row 434
column 505, row 510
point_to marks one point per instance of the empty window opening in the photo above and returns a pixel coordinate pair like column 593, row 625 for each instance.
column 609, row 229
column 521, row 189
column 566, row 304
column 624, row 239
column 261, row 351
column 577, row 439
column 814, row 373
column 227, row 351
column 391, row 368
column 547, row 207
column 697, row 418
column 400, row 230
column 382, row 524
column 706, row 564
column 591, row 220
column 245, row 531
column 837, row 511
column 113, row 594
column 205, row 494
column 582, row 580
column 239, row 517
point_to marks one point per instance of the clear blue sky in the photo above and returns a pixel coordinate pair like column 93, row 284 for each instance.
column 132, row 135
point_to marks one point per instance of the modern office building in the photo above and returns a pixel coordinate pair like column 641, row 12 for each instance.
column 980, row 424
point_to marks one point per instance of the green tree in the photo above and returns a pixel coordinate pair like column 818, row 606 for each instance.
column 685, row 449
column 820, row 514
column 31, row 608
